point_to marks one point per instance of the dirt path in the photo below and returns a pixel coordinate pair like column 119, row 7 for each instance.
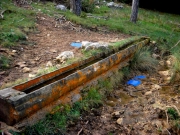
column 48, row 42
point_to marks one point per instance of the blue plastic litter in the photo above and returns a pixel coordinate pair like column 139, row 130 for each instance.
column 134, row 82
column 76, row 44
column 140, row 77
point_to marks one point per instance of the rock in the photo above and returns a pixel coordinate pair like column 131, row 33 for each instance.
column 53, row 51
column 64, row 56
column 120, row 121
column 61, row 7
column 94, row 45
column 157, row 123
column 48, row 35
column 165, row 73
column 153, row 42
column 49, row 64
column 148, row 93
column 140, row 87
column 114, row 5
column 76, row 98
column 32, row 75
column 21, row 64
column 14, row 51
column 161, row 63
column 156, row 87
column 116, row 114
column 26, row 70
column 58, row 65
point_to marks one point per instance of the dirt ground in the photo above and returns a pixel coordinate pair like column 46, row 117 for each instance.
column 127, row 111
column 50, row 39
column 132, row 110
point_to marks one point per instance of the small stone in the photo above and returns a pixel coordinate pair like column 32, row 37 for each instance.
column 49, row 64
column 148, row 93
column 116, row 114
column 161, row 63
column 78, row 41
column 48, row 35
column 26, row 70
column 120, row 121
column 164, row 73
column 153, row 42
column 156, row 87
column 14, row 51
column 21, row 64
column 31, row 75
column 168, row 63
column 157, row 123
column 58, row 65
column 76, row 98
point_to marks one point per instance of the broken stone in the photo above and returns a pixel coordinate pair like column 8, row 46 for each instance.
column 153, row 42
column 61, row 7
column 161, row 63
column 116, row 114
column 148, row 93
column 120, row 121
column 156, row 87
column 76, row 97
column 165, row 73
column 49, row 64
column 32, row 75
column 14, row 51
column 21, row 64
column 53, row 51
column 64, row 56
column 26, row 70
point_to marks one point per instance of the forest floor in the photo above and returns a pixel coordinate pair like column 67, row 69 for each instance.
column 141, row 112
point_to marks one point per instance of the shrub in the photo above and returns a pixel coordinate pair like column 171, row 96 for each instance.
column 88, row 6
column 142, row 61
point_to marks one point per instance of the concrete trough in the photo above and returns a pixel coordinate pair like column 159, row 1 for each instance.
column 21, row 101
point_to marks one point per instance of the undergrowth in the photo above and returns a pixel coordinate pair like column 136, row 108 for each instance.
column 143, row 61
column 4, row 62
column 16, row 24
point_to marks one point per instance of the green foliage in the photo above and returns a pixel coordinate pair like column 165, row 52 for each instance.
column 101, row 10
column 173, row 114
column 4, row 62
column 143, row 61
column 88, row 6
column 14, row 21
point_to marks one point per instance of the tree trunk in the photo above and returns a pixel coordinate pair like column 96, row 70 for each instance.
column 75, row 7
column 134, row 12
column 72, row 6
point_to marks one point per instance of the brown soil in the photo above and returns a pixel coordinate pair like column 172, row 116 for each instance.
column 45, row 45
column 139, row 112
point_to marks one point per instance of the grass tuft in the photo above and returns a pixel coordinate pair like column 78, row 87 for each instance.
column 142, row 61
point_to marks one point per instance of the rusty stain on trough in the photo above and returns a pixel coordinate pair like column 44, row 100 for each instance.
column 16, row 103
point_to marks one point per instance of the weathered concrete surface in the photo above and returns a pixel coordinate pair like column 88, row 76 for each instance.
column 16, row 105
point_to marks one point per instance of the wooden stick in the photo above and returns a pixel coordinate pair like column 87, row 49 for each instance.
column 2, row 14
column 80, row 131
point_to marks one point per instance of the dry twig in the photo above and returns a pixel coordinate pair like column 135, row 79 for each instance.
column 175, row 44
column 2, row 14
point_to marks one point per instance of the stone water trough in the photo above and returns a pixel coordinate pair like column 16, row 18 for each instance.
column 63, row 85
